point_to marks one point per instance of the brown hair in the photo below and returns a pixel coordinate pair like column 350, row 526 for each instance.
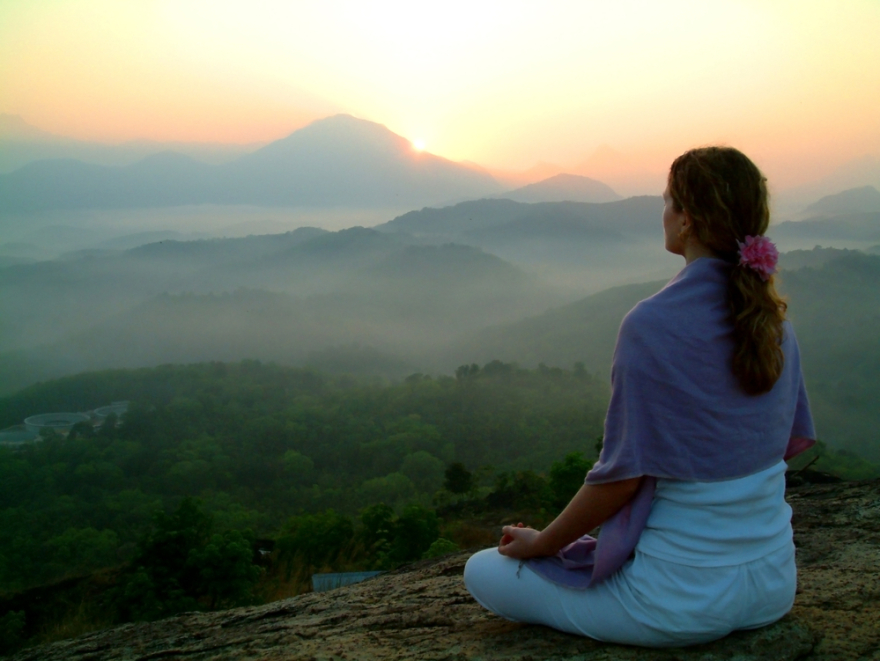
column 725, row 196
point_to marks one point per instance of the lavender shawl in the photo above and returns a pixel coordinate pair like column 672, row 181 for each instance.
column 677, row 412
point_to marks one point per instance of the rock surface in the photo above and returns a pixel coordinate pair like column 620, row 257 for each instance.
column 424, row 612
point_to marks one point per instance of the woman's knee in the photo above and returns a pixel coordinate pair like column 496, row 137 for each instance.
column 479, row 568
column 487, row 576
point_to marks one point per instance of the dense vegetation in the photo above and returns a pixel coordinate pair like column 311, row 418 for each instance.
column 227, row 484
column 260, row 443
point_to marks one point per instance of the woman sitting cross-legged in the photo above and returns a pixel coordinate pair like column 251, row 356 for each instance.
column 707, row 400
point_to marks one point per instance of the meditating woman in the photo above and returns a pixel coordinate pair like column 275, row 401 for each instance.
column 707, row 399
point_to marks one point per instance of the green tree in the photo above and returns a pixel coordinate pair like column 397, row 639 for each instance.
column 81, row 430
column 458, row 479
column 316, row 539
column 414, row 532
column 521, row 490
column 395, row 488
column 165, row 580
column 566, row 477
column 440, row 546
column 424, row 470
column 226, row 569
column 78, row 550
column 11, row 628
column 298, row 466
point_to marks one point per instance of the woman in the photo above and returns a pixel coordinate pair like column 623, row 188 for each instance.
column 707, row 398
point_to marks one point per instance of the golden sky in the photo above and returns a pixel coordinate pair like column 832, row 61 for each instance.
column 796, row 84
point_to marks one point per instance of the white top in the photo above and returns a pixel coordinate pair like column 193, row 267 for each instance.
column 716, row 524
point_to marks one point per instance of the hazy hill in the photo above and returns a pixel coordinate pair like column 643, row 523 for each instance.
column 849, row 230
column 564, row 188
column 859, row 172
column 44, row 301
column 636, row 216
column 344, row 161
column 280, row 297
column 573, row 248
column 166, row 179
column 453, row 222
column 584, row 331
column 818, row 256
column 14, row 129
column 21, row 143
column 585, row 247
column 865, row 199
column 340, row 161
column 836, row 312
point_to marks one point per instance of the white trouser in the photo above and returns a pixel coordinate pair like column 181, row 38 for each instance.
column 649, row 602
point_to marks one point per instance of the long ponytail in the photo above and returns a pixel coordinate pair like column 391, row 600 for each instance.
column 757, row 312
column 725, row 196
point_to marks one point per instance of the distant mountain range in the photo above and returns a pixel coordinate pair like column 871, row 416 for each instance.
column 848, row 229
column 409, row 296
column 790, row 204
column 412, row 272
column 280, row 297
column 865, row 199
column 849, row 219
column 21, row 143
column 563, row 188
column 624, row 174
column 586, row 246
column 340, row 161
column 633, row 217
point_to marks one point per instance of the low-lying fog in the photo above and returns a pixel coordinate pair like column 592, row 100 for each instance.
column 51, row 234
column 381, row 293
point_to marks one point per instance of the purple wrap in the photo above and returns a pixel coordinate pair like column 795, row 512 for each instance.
column 678, row 412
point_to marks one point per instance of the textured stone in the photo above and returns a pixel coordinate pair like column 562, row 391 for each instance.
column 423, row 612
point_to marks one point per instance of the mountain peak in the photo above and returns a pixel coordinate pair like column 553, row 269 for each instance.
column 13, row 127
column 864, row 199
column 343, row 130
column 564, row 187
column 339, row 161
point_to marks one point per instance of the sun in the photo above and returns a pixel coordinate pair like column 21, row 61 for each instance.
column 418, row 144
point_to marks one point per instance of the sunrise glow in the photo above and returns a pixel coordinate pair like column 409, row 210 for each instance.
column 510, row 85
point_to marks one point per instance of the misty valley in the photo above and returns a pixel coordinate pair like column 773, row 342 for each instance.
column 345, row 381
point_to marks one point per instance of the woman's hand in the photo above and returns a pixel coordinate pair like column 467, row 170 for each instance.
column 591, row 506
column 507, row 538
column 520, row 542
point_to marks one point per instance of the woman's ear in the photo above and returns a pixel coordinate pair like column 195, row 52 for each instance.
column 687, row 224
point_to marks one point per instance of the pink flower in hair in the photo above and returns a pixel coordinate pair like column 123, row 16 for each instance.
column 759, row 254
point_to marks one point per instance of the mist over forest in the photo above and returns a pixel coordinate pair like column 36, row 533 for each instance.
column 540, row 274
column 333, row 321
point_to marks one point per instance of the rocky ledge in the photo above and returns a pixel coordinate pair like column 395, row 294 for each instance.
column 423, row 611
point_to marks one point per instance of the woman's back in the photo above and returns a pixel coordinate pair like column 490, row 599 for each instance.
column 677, row 411
column 712, row 524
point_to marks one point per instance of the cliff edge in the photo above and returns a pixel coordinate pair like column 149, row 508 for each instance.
column 423, row 612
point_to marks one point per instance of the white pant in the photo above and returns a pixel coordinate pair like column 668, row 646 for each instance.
column 649, row 602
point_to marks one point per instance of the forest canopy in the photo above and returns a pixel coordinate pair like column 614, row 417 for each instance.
column 259, row 443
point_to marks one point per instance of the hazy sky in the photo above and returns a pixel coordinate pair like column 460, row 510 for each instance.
column 506, row 84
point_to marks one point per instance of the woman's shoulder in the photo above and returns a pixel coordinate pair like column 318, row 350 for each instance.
column 696, row 296
column 646, row 313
